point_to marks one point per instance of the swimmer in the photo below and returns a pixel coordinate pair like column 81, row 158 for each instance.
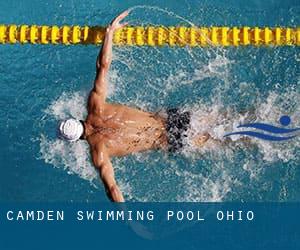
column 114, row 130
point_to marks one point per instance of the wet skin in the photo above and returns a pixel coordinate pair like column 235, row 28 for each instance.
column 123, row 130
column 118, row 130
column 112, row 129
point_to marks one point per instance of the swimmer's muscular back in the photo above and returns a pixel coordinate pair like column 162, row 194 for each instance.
column 122, row 129
column 112, row 129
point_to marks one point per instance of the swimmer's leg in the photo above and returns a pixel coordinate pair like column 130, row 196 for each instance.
column 200, row 140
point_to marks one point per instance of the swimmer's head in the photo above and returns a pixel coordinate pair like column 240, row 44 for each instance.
column 70, row 130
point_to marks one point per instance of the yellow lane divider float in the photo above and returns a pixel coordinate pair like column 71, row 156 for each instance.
column 152, row 36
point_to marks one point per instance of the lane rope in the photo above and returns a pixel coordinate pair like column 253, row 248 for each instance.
column 152, row 35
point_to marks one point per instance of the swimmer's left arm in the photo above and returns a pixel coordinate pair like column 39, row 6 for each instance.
column 105, row 56
column 103, row 164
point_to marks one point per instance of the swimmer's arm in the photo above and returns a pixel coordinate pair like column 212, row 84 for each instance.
column 105, row 56
column 103, row 164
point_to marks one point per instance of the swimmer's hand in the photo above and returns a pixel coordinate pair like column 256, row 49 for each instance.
column 115, row 24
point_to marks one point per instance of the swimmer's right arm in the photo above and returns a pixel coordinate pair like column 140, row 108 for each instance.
column 105, row 56
column 103, row 164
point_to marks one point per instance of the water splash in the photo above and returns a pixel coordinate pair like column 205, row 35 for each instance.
column 192, row 185
column 214, row 84
column 74, row 158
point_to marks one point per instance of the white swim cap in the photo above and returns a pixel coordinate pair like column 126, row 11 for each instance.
column 70, row 130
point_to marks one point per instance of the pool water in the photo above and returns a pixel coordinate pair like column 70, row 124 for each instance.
column 43, row 84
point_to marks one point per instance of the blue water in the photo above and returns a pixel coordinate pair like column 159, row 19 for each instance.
column 42, row 84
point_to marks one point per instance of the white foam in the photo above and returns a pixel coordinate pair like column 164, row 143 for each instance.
column 73, row 157
column 68, row 105
column 212, row 118
column 271, row 110
column 174, row 182
column 216, row 121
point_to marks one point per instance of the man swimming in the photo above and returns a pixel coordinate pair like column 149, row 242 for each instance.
column 117, row 130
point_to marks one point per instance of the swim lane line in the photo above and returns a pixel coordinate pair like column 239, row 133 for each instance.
column 152, row 35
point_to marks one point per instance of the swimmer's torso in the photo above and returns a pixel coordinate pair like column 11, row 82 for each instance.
column 124, row 130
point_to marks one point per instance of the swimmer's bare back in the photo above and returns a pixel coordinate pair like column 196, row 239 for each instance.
column 123, row 130
column 113, row 129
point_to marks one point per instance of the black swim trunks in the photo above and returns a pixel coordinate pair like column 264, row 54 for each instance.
column 177, row 125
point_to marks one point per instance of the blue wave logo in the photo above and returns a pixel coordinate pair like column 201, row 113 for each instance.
column 279, row 133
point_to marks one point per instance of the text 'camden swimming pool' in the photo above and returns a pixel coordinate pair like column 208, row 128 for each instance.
column 128, row 215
